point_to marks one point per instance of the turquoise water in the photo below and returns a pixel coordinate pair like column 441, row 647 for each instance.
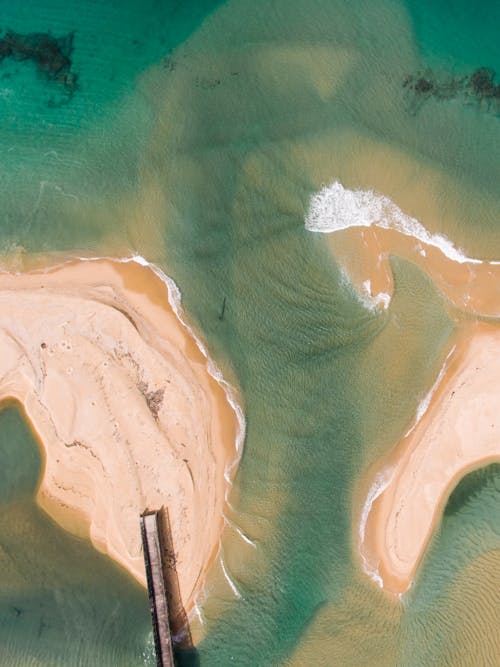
column 460, row 35
column 196, row 137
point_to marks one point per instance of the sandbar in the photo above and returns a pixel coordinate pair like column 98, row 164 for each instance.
column 458, row 432
column 456, row 427
column 364, row 253
column 364, row 228
column 127, row 414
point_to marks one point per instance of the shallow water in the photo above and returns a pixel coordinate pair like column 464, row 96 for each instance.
column 204, row 162
column 61, row 603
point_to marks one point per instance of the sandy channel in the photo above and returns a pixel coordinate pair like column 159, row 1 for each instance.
column 124, row 407
column 459, row 431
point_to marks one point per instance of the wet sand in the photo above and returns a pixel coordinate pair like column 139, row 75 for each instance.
column 127, row 414
column 364, row 254
column 458, row 432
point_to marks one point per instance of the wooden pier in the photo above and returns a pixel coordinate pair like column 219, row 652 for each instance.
column 158, row 604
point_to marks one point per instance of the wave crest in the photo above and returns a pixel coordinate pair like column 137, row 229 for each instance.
column 335, row 207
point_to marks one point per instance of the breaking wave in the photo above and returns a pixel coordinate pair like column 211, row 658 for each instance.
column 380, row 484
column 335, row 207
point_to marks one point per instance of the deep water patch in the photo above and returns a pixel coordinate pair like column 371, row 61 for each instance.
column 469, row 489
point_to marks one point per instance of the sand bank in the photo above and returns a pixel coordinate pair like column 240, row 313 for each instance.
column 365, row 228
column 456, row 427
column 364, row 254
column 128, row 416
column 458, row 431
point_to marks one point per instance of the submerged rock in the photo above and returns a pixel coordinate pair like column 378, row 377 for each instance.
column 52, row 55
column 478, row 87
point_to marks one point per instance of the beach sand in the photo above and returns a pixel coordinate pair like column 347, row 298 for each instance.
column 458, row 432
column 455, row 429
column 127, row 414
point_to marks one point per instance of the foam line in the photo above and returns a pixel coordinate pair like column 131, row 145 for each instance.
column 380, row 484
column 174, row 299
column 372, row 302
column 384, row 477
column 244, row 537
column 425, row 402
column 197, row 611
column 231, row 583
column 334, row 208
column 173, row 295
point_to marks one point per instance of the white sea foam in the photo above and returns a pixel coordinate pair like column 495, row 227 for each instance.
column 373, row 301
column 197, row 611
column 384, row 477
column 231, row 583
column 382, row 480
column 364, row 296
column 423, row 406
column 174, row 299
column 243, row 536
column 334, row 208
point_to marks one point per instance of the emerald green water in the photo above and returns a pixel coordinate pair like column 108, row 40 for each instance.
column 61, row 603
column 204, row 163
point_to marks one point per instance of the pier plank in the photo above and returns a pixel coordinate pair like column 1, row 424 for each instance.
column 153, row 560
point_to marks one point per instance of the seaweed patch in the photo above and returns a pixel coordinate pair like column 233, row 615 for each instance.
column 478, row 88
column 51, row 55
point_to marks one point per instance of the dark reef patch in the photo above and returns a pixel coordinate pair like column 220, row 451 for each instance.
column 478, row 88
column 51, row 55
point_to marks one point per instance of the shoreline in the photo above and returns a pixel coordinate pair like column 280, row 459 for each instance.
column 457, row 433
column 364, row 254
column 363, row 228
column 404, row 493
column 97, row 475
